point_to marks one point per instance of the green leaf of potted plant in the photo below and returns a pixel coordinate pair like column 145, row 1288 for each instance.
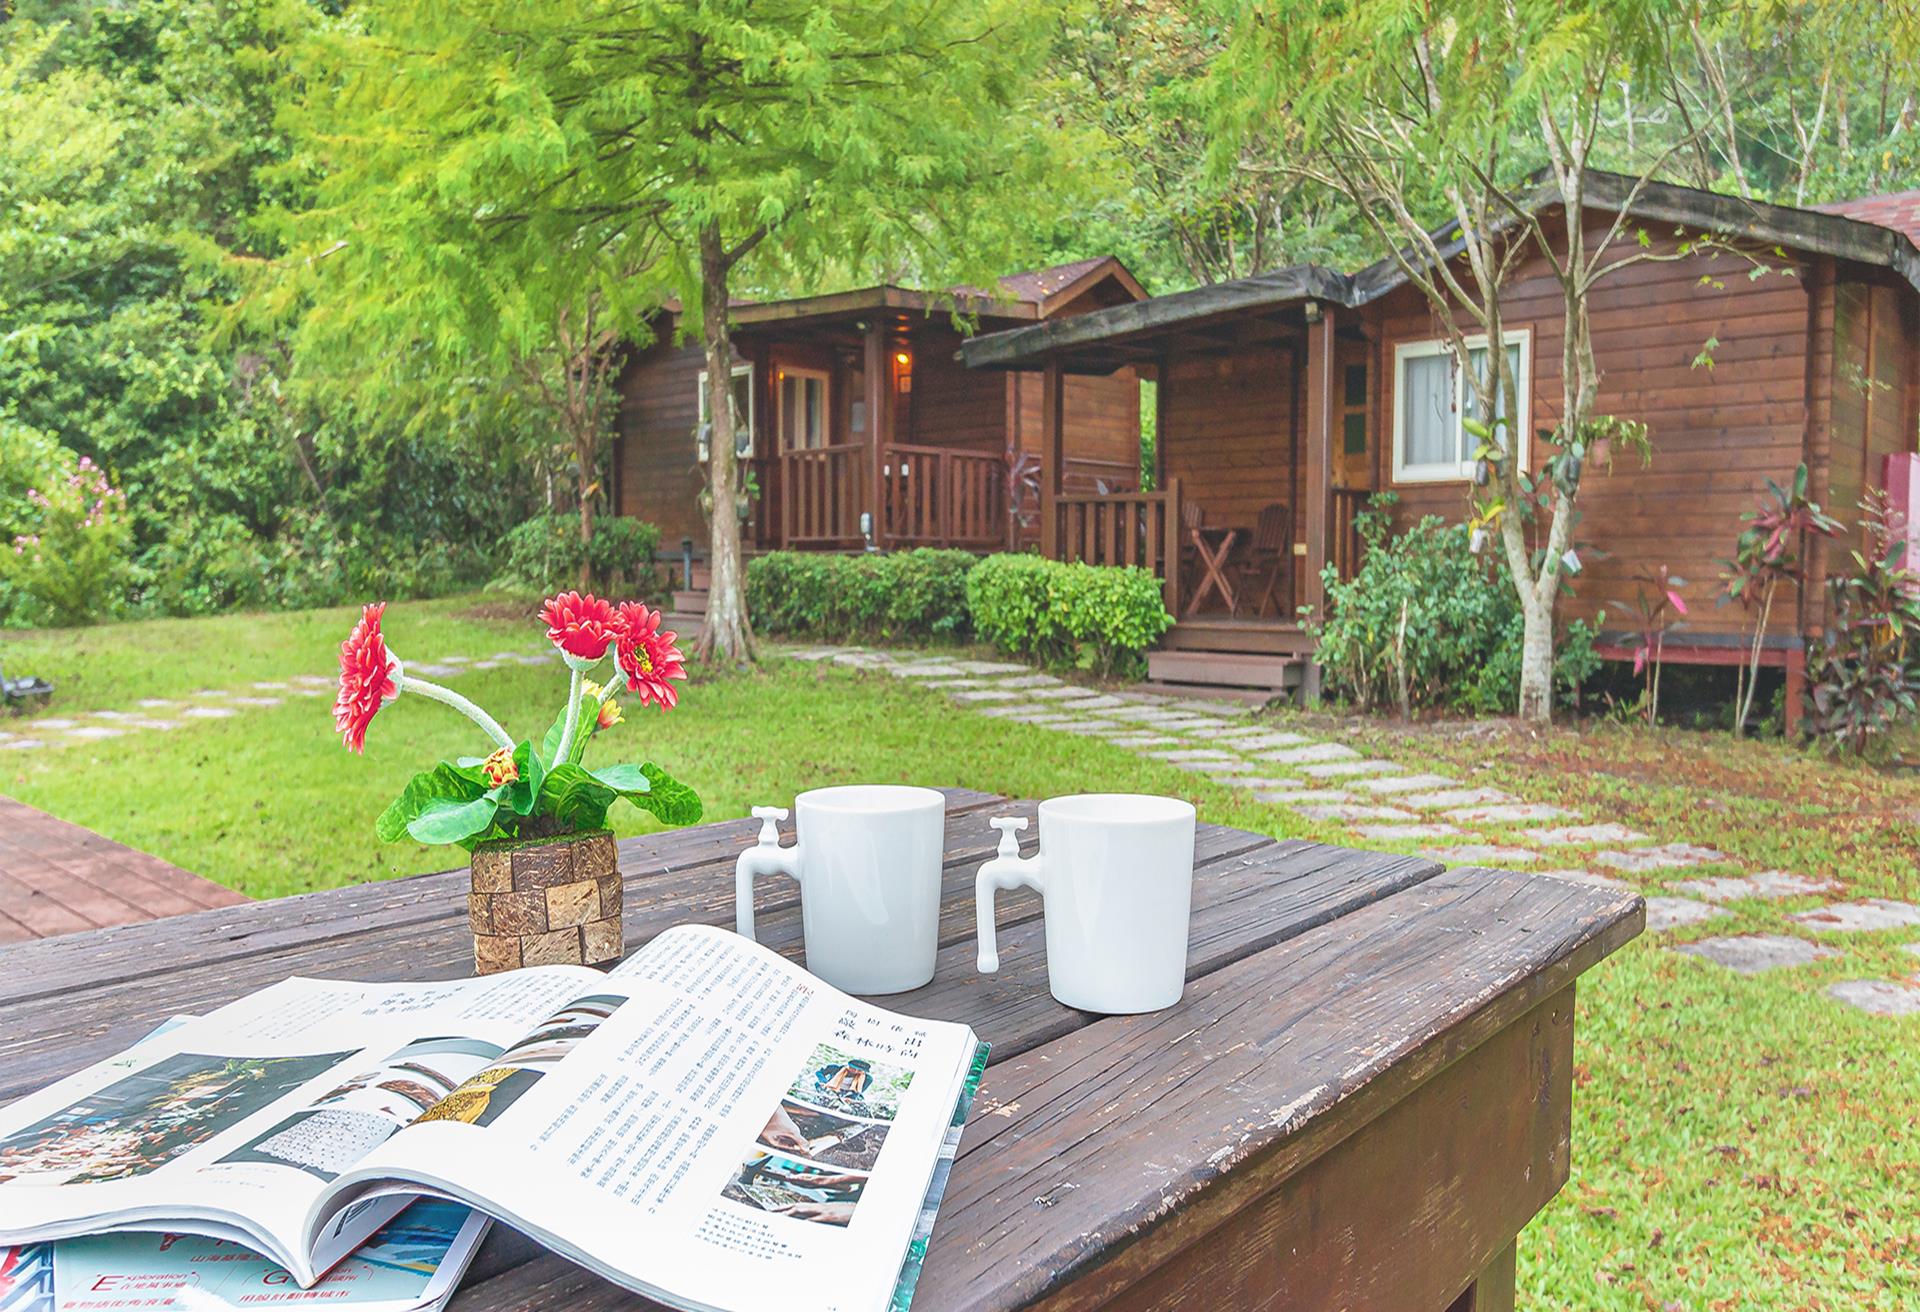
column 545, row 879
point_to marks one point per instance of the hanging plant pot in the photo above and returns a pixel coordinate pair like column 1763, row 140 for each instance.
column 545, row 902
column 1477, row 543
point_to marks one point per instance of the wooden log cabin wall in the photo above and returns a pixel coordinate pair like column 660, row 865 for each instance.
column 1287, row 387
column 948, row 435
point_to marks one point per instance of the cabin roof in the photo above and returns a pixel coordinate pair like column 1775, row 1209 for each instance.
column 1031, row 294
column 1899, row 210
column 1882, row 231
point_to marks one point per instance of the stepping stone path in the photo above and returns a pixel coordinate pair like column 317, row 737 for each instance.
column 1672, row 912
column 1768, row 884
column 1856, row 917
column 108, row 723
column 1879, row 996
column 1750, row 954
column 1376, row 800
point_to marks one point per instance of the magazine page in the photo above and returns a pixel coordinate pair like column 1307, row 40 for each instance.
column 712, row 1127
column 232, row 1124
column 412, row 1264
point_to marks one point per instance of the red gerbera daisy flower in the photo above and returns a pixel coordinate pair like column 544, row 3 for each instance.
column 648, row 656
column 366, row 678
column 582, row 626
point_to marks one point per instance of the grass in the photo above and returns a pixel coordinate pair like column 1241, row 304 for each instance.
column 1738, row 1142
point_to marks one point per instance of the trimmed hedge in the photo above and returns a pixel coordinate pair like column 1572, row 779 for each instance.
column 904, row 594
column 544, row 553
column 1090, row 616
column 1096, row 617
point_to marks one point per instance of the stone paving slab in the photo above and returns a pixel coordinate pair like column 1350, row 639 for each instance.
column 95, row 732
column 258, row 701
column 1257, row 781
column 1455, row 797
column 1142, row 740
column 1340, row 769
column 54, row 726
column 1859, row 917
column 1064, row 691
column 1882, row 997
column 991, row 667
column 1665, row 857
column 310, row 680
column 1031, row 681
column 1208, row 706
column 1311, row 753
column 1144, row 714
column 986, row 695
column 1354, row 811
column 21, row 745
column 930, row 671
column 1673, row 912
column 1752, row 954
column 1297, row 796
column 1406, row 783
column 1769, row 884
column 1193, row 754
column 209, row 712
column 155, row 703
column 1479, row 853
column 1507, row 813
column 488, row 664
column 1090, row 728
column 1237, row 736
column 1581, row 835
column 1211, row 767
column 1098, row 702
column 1398, row 833
column 956, row 681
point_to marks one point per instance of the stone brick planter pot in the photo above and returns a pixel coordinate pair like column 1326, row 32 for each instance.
column 549, row 902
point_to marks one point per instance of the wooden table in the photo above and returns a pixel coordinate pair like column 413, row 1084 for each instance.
column 1212, row 544
column 1363, row 1097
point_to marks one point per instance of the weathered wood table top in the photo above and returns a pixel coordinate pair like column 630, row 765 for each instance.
column 1362, row 1098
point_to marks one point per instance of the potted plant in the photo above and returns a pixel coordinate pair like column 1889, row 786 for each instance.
column 545, row 881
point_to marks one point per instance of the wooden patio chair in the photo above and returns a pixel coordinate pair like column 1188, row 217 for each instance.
column 1269, row 559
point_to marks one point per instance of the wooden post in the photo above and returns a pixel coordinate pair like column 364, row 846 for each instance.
column 1317, row 433
column 1163, row 378
column 1170, row 548
column 879, row 416
column 1053, row 398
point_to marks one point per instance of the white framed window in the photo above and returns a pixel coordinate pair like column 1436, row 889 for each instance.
column 1432, row 395
column 801, row 408
column 743, row 416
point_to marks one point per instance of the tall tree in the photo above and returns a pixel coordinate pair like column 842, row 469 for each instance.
column 1446, row 124
column 739, row 145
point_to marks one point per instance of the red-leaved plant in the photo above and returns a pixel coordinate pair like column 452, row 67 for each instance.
column 521, row 791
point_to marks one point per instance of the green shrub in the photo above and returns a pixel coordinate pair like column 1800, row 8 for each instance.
column 68, row 561
column 1093, row 616
column 1425, row 618
column 906, row 594
column 544, row 553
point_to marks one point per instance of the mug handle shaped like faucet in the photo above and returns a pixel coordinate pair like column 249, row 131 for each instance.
column 1008, row 869
column 765, row 857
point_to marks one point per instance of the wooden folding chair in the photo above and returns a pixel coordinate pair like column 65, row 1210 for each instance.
column 1269, row 559
column 1212, row 550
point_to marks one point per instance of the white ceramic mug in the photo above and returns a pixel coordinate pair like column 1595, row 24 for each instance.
column 1115, row 876
column 867, row 859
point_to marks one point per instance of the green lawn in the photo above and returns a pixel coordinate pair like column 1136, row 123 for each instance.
column 1738, row 1142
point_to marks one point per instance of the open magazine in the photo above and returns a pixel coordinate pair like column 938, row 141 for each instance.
column 708, row 1125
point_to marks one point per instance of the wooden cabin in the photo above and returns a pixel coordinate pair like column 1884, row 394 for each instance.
column 862, row 428
column 1296, row 395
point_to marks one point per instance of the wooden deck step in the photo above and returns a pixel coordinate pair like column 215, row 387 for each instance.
column 1224, row 669
column 689, row 603
column 1232, row 634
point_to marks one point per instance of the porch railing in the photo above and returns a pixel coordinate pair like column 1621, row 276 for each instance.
column 1343, row 550
column 935, row 496
column 1124, row 528
column 822, row 495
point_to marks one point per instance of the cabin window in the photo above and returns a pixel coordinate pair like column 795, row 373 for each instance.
column 802, row 410
column 1431, row 397
column 742, row 414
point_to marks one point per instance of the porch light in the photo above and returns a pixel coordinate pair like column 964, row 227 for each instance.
column 902, row 358
column 1311, row 310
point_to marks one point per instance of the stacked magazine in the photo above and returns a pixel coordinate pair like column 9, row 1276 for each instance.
column 707, row 1125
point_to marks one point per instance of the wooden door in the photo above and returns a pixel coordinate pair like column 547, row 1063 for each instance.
column 1352, row 422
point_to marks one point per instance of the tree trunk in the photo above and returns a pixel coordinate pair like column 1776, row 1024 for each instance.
column 727, row 636
column 584, row 455
column 1536, row 659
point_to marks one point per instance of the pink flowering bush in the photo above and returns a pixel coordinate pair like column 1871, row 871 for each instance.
column 69, row 552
